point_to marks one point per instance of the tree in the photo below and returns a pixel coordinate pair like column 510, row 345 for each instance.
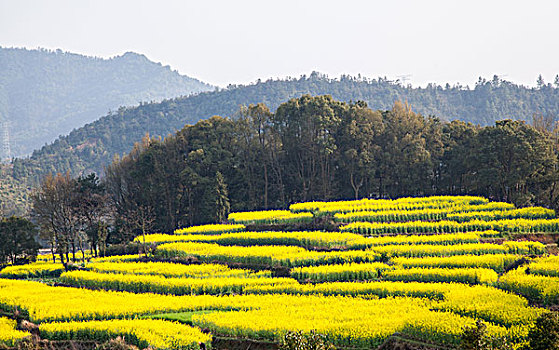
column 54, row 212
column 141, row 218
column 540, row 82
column 405, row 166
column 358, row 151
column 17, row 239
column 457, row 165
column 256, row 142
column 307, row 127
column 222, row 206
column 92, row 208
column 124, row 186
column 513, row 161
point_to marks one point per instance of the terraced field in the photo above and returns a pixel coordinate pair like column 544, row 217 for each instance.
column 423, row 268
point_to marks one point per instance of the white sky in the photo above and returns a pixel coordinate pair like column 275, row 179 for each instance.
column 237, row 42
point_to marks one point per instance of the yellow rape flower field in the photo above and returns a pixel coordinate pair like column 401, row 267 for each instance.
column 358, row 272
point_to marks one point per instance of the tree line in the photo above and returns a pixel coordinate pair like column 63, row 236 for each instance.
column 317, row 148
column 91, row 147
column 310, row 148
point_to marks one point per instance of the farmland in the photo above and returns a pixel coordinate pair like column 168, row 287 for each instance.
column 422, row 268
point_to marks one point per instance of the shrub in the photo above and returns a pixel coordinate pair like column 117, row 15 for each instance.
column 116, row 344
column 477, row 338
column 545, row 333
column 305, row 341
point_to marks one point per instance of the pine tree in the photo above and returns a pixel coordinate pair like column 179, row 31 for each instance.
column 540, row 82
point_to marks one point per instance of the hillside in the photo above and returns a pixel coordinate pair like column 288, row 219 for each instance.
column 44, row 94
column 375, row 277
column 14, row 195
column 317, row 148
column 93, row 146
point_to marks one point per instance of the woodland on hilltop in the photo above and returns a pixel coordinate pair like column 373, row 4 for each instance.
column 317, row 148
column 93, row 146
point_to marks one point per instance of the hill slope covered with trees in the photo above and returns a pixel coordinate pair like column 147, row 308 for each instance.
column 44, row 94
column 317, row 148
column 93, row 146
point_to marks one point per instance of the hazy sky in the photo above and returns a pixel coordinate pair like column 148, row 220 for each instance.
column 223, row 42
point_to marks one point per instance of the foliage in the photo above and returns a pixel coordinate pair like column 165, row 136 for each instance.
column 545, row 333
column 92, row 210
column 170, row 269
column 116, row 344
column 8, row 333
column 447, row 226
column 442, row 282
column 269, row 217
column 460, row 214
column 459, row 275
column 346, row 150
column 422, row 250
column 476, row 338
column 341, row 272
column 497, row 262
column 222, row 204
column 36, row 270
column 490, row 100
column 304, row 239
column 305, row 341
column 545, row 266
column 403, row 204
column 155, row 334
column 440, row 239
column 527, row 213
column 171, row 285
column 262, row 255
column 17, row 240
column 346, row 322
column 41, row 303
column 14, row 194
column 211, row 229
column 536, row 288
column 71, row 213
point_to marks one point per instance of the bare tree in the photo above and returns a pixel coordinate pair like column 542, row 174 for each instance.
column 141, row 217
column 53, row 211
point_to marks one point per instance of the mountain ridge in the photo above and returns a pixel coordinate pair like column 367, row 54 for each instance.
column 48, row 93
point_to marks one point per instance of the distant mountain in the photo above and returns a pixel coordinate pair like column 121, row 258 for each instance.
column 45, row 94
column 93, row 146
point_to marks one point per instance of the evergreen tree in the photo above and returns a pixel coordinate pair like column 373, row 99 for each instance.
column 540, row 82
column 17, row 239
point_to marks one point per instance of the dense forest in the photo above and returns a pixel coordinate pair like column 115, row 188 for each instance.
column 44, row 94
column 318, row 148
column 90, row 148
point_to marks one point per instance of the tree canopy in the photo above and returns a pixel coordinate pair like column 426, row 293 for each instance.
column 318, row 148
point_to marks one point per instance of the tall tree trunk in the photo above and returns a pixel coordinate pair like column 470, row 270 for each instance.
column 52, row 252
column 265, row 186
column 74, row 250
